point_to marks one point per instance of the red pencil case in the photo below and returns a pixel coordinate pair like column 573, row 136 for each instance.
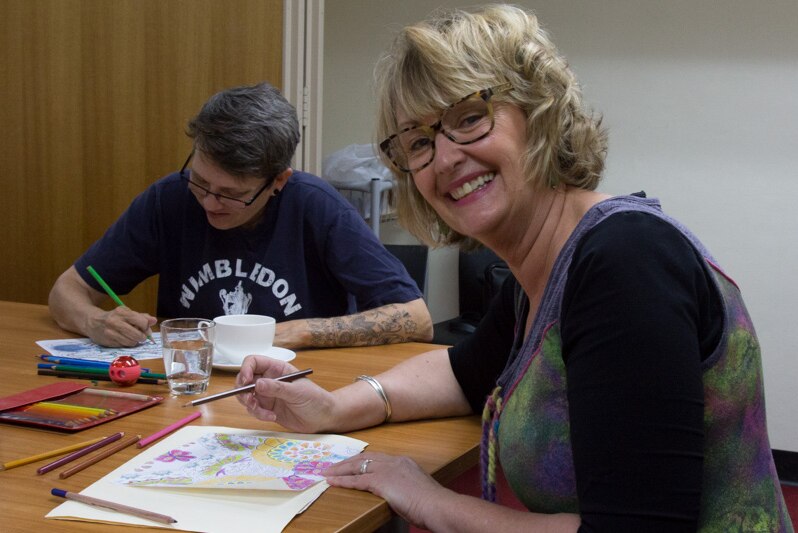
column 70, row 406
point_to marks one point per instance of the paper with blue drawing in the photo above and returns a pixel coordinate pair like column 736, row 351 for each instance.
column 83, row 348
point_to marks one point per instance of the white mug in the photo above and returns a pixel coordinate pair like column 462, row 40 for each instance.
column 238, row 336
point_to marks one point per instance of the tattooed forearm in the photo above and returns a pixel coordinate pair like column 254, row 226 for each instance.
column 384, row 325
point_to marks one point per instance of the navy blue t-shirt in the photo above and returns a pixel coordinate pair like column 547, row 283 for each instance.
column 311, row 255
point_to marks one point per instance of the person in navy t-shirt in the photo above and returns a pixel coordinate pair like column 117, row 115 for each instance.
column 237, row 231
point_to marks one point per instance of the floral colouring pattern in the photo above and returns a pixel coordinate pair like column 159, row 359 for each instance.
column 240, row 461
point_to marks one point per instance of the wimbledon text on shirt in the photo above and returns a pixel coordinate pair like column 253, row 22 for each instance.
column 259, row 274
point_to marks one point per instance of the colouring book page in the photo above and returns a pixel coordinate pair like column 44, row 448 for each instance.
column 91, row 351
column 264, row 511
column 230, row 461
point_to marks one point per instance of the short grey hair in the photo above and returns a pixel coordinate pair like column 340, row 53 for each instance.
column 247, row 131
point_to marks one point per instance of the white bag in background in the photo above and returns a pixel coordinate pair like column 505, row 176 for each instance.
column 351, row 169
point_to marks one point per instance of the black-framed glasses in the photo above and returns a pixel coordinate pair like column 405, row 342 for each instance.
column 200, row 191
column 464, row 122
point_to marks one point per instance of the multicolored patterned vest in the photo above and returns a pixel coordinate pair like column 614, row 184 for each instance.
column 526, row 418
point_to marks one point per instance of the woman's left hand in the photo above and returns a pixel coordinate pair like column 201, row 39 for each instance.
column 410, row 491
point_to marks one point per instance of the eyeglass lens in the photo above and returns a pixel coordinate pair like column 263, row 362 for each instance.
column 465, row 122
column 201, row 191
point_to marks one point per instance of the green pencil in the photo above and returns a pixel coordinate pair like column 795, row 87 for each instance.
column 93, row 377
column 97, row 370
column 110, row 292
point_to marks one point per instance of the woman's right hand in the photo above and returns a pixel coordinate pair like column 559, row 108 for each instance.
column 300, row 405
column 119, row 327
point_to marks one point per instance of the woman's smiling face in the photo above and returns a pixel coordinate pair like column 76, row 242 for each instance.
column 475, row 187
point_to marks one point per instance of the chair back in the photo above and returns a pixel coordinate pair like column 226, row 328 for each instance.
column 414, row 258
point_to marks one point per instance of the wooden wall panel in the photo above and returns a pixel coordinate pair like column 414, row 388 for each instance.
column 95, row 97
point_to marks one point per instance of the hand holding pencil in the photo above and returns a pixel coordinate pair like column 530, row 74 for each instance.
column 276, row 391
column 121, row 326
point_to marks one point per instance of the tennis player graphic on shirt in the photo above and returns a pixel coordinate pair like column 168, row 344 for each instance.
column 235, row 302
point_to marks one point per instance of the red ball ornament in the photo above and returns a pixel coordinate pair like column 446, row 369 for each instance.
column 124, row 370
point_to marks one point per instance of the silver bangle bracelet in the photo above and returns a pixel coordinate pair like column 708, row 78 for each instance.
column 377, row 387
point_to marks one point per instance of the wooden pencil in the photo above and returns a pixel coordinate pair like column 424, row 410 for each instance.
column 47, row 455
column 99, row 457
column 246, row 388
column 113, row 296
column 80, row 453
column 168, row 429
column 95, row 370
column 134, row 511
column 94, row 377
column 51, row 361
column 69, row 409
column 117, row 394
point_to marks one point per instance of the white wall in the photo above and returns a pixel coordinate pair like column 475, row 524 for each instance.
column 701, row 99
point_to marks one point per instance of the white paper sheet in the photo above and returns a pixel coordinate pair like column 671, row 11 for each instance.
column 212, row 510
column 91, row 351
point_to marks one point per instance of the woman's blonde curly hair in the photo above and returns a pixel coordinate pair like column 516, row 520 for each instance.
column 457, row 52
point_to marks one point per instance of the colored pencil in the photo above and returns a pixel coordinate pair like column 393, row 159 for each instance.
column 117, row 394
column 68, row 415
column 70, row 409
column 52, row 359
column 95, row 377
column 39, row 419
column 126, row 509
column 168, row 429
column 99, row 457
column 111, row 293
column 80, row 453
column 78, row 362
column 246, row 388
column 95, row 370
column 46, row 455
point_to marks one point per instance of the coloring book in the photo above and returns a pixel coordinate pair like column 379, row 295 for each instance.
column 231, row 461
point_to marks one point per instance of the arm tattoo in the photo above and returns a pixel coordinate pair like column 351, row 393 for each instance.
column 384, row 325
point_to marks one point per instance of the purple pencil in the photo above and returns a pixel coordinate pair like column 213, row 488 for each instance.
column 80, row 453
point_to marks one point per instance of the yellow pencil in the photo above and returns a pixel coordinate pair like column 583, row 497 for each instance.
column 46, row 455
column 67, row 408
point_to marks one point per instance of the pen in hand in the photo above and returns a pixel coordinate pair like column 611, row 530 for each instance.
column 246, row 388
column 113, row 295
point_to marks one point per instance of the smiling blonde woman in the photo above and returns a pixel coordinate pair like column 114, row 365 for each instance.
column 621, row 369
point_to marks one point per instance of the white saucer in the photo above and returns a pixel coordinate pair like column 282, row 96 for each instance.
column 275, row 352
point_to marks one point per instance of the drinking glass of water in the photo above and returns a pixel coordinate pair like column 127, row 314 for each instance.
column 188, row 354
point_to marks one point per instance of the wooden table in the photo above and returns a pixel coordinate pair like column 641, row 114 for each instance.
column 445, row 448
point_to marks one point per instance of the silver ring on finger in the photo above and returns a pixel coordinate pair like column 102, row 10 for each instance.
column 364, row 466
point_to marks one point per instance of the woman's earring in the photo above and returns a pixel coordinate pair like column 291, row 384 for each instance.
column 275, row 192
